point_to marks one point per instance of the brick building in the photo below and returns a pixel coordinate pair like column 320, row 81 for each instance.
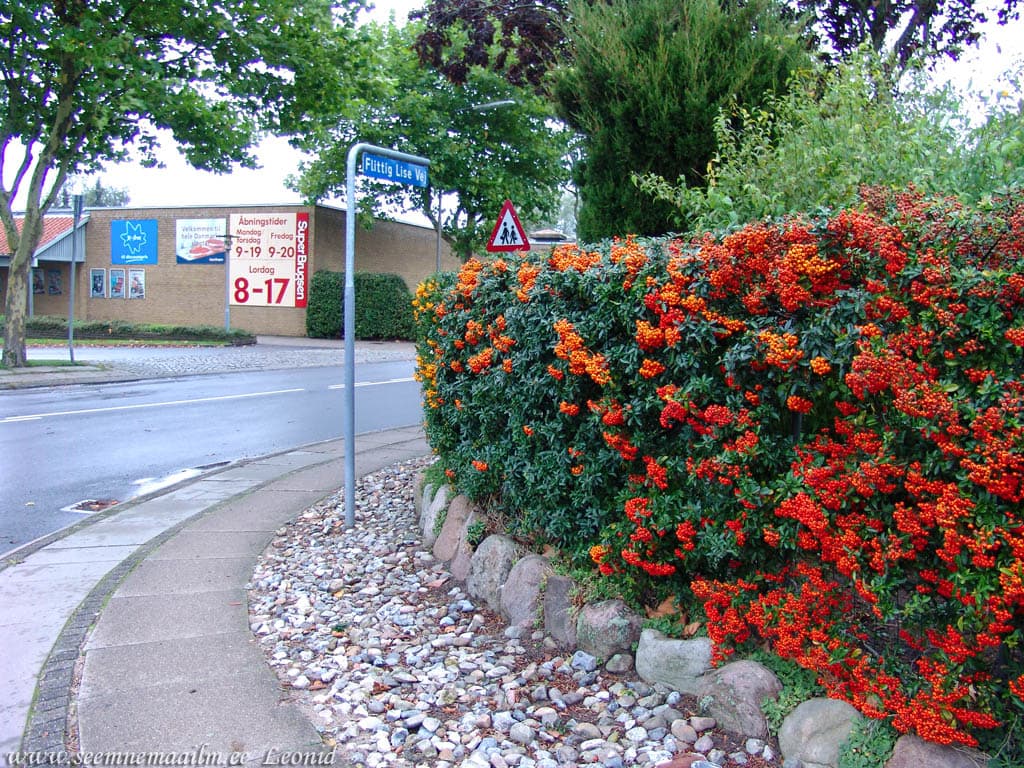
column 167, row 265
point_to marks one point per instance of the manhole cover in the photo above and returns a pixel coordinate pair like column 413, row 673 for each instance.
column 87, row 506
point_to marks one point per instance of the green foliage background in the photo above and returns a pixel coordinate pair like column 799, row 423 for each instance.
column 645, row 83
column 383, row 306
column 834, row 131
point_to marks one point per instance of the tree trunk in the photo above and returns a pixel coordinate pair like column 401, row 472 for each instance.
column 15, row 311
column 18, row 286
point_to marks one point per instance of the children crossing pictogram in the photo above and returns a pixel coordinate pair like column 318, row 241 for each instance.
column 508, row 234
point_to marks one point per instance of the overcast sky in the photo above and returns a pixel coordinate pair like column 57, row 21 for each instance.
column 178, row 184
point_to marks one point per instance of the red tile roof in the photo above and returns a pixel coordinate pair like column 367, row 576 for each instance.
column 53, row 227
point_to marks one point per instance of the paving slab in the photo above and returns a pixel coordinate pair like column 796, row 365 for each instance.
column 113, row 553
column 172, row 717
column 160, row 575
column 168, row 664
column 264, row 511
column 153, row 617
column 200, row 544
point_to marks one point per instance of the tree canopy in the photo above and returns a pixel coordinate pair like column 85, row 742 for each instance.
column 482, row 148
column 647, row 80
column 82, row 84
column 522, row 40
column 526, row 40
column 903, row 29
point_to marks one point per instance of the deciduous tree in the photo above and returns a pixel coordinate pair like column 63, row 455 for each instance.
column 82, row 83
column 486, row 141
column 903, row 28
column 524, row 40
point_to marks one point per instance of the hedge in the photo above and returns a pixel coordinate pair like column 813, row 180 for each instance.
column 56, row 327
column 810, row 431
column 383, row 306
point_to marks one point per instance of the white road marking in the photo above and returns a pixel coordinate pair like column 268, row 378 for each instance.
column 137, row 406
column 373, row 383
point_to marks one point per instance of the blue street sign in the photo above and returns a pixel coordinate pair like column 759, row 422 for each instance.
column 392, row 169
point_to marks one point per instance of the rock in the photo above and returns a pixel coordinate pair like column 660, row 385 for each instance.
column 606, row 628
column 679, row 664
column 736, row 692
column 447, row 542
column 422, row 492
column 912, row 751
column 559, row 615
column 521, row 733
column 430, row 510
column 683, row 731
column 521, row 594
column 704, row 744
column 813, row 732
column 682, row 761
column 583, row 661
column 754, row 746
column 620, row 664
column 489, row 568
column 701, row 723
column 461, row 562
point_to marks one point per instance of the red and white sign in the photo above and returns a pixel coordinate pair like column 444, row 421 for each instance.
column 269, row 259
column 508, row 234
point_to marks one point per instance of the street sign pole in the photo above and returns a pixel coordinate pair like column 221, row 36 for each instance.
column 392, row 166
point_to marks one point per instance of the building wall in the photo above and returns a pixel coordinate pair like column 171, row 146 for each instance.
column 195, row 293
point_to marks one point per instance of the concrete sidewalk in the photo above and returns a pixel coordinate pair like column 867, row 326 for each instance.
column 145, row 608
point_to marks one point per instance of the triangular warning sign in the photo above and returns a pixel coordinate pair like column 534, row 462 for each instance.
column 508, row 234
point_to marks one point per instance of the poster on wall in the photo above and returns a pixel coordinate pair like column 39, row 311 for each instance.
column 136, row 283
column 200, row 241
column 53, row 282
column 97, row 283
column 38, row 281
column 269, row 257
column 117, row 283
column 133, row 241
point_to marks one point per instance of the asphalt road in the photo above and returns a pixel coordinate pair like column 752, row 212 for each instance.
column 66, row 445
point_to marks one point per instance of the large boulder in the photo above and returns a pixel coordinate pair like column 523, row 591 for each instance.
column 679, row 664
column 489, row 569
column 434, row 501
column 521, row 594
column 813, row 732
column 447, row 542
column 606, row 628
column 420, row 489
column 461, row 562
column 912, row 751
column 559, row 616
column 734, row 694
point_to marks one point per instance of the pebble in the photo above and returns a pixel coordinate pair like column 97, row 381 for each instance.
column 400, row 668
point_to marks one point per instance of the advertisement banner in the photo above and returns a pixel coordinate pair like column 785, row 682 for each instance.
column 269, row 259
column 97, row 283
column 133, row 241
column 117, row 283
column 136, row 283
column 200, row 241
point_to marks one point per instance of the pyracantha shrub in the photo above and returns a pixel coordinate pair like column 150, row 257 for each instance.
column 813, row 428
